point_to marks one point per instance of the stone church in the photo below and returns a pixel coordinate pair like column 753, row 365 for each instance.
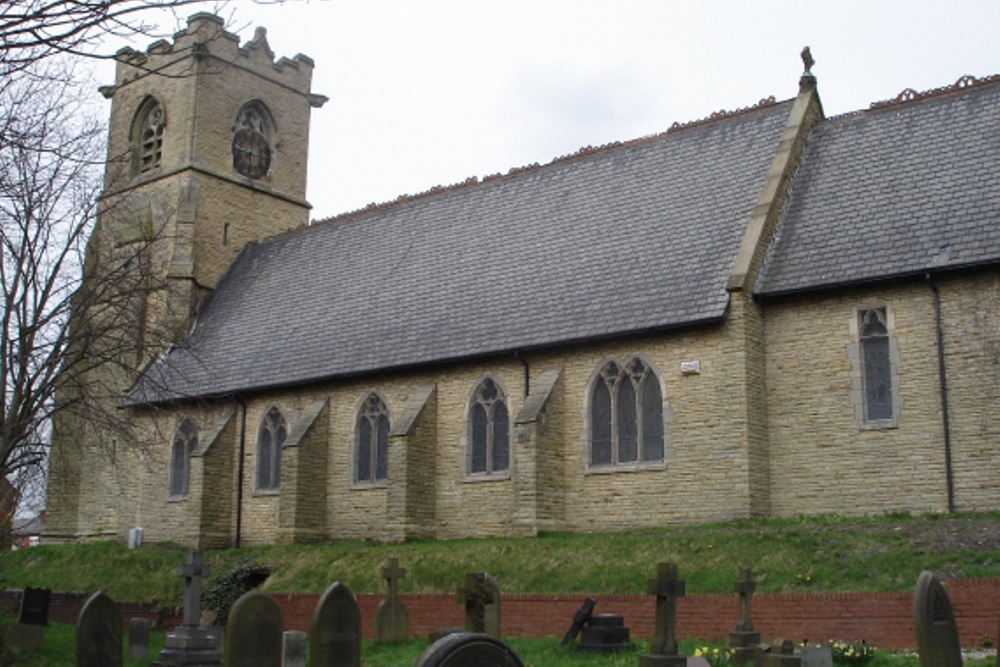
column 766, row 313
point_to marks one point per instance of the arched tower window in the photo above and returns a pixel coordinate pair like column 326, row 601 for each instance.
column 270, row 438
column 184, row 444
column 489, row 430
column 626, row 415
column 371, row 446
column 253, row 137
column 147, row 137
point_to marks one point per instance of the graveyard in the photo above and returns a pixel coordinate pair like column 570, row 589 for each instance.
column 628, row 574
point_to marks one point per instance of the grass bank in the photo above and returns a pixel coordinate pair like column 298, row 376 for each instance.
column 822, row 554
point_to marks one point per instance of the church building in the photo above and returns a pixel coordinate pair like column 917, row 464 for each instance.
column 766, row 313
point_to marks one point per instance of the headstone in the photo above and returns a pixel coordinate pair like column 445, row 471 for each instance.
column 743, row 641
column 579, row 619
column 934, row 620
column 293, row 648
column 663, row 649
column 391, row 620
column 254, row 632
column 138, row 638
column 605, row 633
column 780, row 654
column 35, row 606
column 465, row 649
column 481, row 597
column 336, row 629
column 697, row 661
column 190, row 644
column 817, row 656
column 99, row 633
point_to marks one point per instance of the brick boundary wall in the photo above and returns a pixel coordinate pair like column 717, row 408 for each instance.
column 882, row 619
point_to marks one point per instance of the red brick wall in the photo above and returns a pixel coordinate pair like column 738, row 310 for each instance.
column 882, row 619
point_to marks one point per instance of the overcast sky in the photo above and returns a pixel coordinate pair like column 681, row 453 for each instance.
column 426, row 93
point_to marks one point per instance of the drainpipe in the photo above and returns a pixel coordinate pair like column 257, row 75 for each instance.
column 942, row 379
column 527, row 375
column 239, row 474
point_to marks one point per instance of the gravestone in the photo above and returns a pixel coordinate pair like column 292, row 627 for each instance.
column 744, row 640
column 605, row 633
column 465, row 649
column 138, row 638
column 391, row 620
column 293, row 648
column 579, row 619
column 190, row 644
column 336, row 629
column 481, row 597
column 254, row 632
column 817, row 656
column 99, row 633
column 780, row 654
column 934, row 620
column 34, row 606
column 663, row 649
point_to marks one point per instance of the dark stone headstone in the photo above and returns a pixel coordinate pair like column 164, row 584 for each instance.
column 663, row 649
column 934, row 620
column 293, row 650
column 391, row 620
column 605, row 633
column 335, row 640
column 138, row 638
column 743, row 642
column 99, row 633
column 481, row 597
column 579, row 620
column 254, row 632
column 466, row 649
column 35, row 606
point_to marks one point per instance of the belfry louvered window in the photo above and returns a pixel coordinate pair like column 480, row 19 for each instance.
column 626, row 415
column 489, row 430
column 270, row 439
column 372, row 441
column 147, row 137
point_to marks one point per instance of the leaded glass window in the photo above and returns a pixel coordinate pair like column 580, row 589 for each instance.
column 876, row 367
column 626, row 415
column 184, row 444
column 270, row 439
column 489, row 430
column 372, row 445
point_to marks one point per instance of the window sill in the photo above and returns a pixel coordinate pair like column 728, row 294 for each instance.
column 177, row 499
column 879, row 425
column 367, row 486
column 481, row 477
column 611, row 469
column 267, row 492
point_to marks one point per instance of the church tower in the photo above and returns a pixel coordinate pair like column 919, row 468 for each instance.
column 207, row 151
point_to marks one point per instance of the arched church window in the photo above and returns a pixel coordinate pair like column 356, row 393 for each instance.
column 270, row 439
column 875, row 359
column 252, row 140
column 147, row 136
column 489, row 430
column 371, row 447
column 184, row 443
column 626, row 415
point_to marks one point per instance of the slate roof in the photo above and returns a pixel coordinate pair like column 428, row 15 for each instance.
column 892, row 192
column 624, row 240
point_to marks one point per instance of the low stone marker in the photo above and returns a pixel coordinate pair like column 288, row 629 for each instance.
column 781, row 654
column 391, row 620
column 254, row 632
column 481, row 597
column 99, row 633
column 579, row 619
column 465, row 649
column 743, row 642
column 817, row 656
column 934, row 621
column 28, row 634
column 663, row 649
column 605, row 633
column 335, row 640
column 293, row 648
column 138, row 638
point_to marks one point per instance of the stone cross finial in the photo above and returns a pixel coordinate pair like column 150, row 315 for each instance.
column 392, row 573
column 807, row 60
column 667, row 588
column 193, row 570
column 745, row 587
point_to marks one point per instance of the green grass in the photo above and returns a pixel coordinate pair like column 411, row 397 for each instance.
column 823, row 554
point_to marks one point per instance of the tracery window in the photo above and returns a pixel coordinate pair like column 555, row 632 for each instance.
column 270, row 439
column 873, row 334
column 148, row 137
column 626, row 415
column 184, row 443
column 489, row 430
column 371, row 445
column 252, row 140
